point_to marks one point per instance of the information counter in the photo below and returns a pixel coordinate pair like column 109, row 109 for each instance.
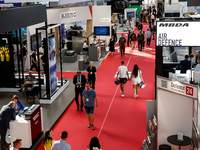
column 94, row 52
column 27, row 126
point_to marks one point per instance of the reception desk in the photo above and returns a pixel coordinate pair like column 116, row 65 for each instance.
column 28, row 126
column 94, row 52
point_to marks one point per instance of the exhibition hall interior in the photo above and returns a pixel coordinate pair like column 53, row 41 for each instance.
column 99, row 75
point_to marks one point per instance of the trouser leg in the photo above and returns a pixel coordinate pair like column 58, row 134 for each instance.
column 3, row 130
column 76, row 97
column 81, row 91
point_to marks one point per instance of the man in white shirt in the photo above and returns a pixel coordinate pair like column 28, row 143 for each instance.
column 85, row 46
column 17, row 144
column 61, row 144
column 122, row 72
column 93, row 40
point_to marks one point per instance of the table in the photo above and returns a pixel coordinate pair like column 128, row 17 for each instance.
column 173, row 139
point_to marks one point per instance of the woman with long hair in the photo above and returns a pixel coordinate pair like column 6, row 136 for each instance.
column 137, row 78
column 94, row 144
column 112, row 44
column 48, row 139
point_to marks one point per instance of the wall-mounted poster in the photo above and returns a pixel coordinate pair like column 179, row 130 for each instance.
column 52, row 63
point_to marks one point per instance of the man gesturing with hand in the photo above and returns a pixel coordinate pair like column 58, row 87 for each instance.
column 89, row 95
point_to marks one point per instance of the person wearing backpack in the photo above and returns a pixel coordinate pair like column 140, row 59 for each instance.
column 140, row 40
column 133, row 40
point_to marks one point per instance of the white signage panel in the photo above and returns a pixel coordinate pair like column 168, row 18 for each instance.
column 105, row 19
column 177, row 87
column 66, row 15
column 177, row 34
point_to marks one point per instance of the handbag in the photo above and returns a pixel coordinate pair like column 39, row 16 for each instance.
column 142, row 85
column 117, row 82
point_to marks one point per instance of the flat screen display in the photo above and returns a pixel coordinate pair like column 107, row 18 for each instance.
column 33, row 41
column 104, row 30
column 132, row 14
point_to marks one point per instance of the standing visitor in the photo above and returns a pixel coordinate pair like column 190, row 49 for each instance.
column 79, row 82
column 140, row 26
column 152, row 19
column 140, row 38
column 141, row 16
column 122, row 73
column 122, row 42
column 91, row 74
column 133, row 40
column 148, row 36
column 89, row 95
column 129, row 33
column 61, row 144
column 17, row 143
column 112, row 44
column 48, row 139
column 7, row 113
column 34, row 63
column 137, row 78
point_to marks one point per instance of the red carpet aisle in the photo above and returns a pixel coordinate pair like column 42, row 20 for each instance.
column 120, row 122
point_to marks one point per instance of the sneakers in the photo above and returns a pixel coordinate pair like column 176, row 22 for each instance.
column 89, row 125
column 136, row 95
column 122, row 95
column 93, row 127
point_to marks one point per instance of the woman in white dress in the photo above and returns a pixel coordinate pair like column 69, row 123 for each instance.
column 136, row 77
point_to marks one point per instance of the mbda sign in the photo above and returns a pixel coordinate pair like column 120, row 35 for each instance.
column 177, row 33
column 174, row 25
column 66, row 15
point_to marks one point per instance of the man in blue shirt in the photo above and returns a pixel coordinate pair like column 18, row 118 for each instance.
column 148, row 36
column 88, row 101
column 184, row 65
column 197, row 68
column 61, row 144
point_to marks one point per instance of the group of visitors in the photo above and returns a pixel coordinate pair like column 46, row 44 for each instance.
column 8, row 112
column 50, row 144
column 88, row 96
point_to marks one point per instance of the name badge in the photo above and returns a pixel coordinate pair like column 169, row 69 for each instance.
column 90, row 72
column 87, row 99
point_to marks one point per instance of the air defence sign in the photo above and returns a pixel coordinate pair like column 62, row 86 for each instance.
column 177, row 34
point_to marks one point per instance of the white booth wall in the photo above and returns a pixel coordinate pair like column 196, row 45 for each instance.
column 174, row 115
column 99, row 13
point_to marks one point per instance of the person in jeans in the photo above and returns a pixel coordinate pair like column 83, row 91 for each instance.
column 89, row 95
column 122, row 42
column 122, row 73
column 79, row 82
column 148, row 36
column 61, row 144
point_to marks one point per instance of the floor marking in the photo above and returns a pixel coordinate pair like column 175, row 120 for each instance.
column 110, row 106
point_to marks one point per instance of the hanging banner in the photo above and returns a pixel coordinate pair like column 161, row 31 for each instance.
column 177, row 33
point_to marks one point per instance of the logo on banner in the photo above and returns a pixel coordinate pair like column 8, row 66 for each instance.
column 177, row 87
column 189, row 91
column 174, row 25
column 66, row 15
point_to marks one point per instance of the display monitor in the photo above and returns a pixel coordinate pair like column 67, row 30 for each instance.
column 102, row 30
column 33, row 41
column 132, row 14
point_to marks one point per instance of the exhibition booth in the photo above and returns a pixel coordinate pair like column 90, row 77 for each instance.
column 11, row 38
column 177, row 99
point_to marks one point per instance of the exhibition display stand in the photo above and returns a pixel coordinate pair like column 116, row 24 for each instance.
column 30, row 123
column 177, row 111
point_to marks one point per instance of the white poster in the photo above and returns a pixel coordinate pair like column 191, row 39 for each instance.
column 177, row 33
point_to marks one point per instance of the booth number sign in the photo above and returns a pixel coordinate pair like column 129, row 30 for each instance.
column 177, row 87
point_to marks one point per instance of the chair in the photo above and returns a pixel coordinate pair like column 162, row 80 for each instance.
column 164, row 147
column 33, row 92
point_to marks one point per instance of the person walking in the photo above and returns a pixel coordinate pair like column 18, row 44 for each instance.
column 152, row 19
column 133, row 40
column 140, row 38
column 137, row 78
column 144, row 39
column 112, row 45
column 34, row 63
column 61, row 144
column 79, row 82
column 148, row 36
column 89, row 95
column 130, row 30
column 122, row 42
column 7, row 113
column 122, row 73
column 48, row 139
column 91, row 74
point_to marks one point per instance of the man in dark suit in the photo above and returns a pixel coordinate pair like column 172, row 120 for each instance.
column 79, row 81
column 7, row 113
column 184, row 65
